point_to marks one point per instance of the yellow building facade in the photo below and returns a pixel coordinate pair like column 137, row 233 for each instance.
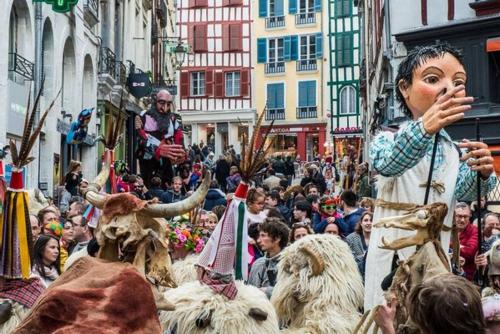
column 288, row 58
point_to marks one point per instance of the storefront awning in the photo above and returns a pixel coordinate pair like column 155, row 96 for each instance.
column 493, row 44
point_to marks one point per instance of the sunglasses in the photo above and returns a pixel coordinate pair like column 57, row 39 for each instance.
column 329, row 207
column 163, row 102
column 300, row 224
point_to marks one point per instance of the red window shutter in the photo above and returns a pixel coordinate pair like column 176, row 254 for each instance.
column 226, row 2
column 191, row 38
column 245, row 82
column 192, row 3
column 201, row 3
column 235, row 2
column 184, row 84
column 200, row 38
column 239, row 37
column 219, row 84
column 209, row 83
column 226, row 36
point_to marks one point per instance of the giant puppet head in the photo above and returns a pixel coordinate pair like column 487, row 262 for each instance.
column 135, row 231
column 319, row 288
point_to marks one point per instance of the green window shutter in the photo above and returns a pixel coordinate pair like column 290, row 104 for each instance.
column 319, row 45
column 261, row 50
column 292, row 6
column 262, row 8
column 294, row 47
column 287, row 41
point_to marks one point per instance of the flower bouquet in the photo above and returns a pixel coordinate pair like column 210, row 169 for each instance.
column 184, row 239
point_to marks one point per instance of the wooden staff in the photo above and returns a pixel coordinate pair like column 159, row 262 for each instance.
column 480, row 272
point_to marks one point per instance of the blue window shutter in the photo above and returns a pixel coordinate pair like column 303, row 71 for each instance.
column 271, row 96
column 280, row 95
column 292, row 6
column 261, row 50
column 311, row 94
column 286, row 48
column 317, row 5
column 262, row 8
column 279, row 8
column 319, row 45
column 294, row 47
column 303, row 94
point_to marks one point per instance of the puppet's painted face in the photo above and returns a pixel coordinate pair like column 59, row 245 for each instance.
column 429, row 81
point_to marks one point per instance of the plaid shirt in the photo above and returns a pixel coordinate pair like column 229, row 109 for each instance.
column 23, row 292
column 392, row 157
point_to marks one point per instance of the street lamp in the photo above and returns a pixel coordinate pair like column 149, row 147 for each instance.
column 180, row 53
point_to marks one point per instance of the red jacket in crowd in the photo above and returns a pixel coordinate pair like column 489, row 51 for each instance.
column 468, row 249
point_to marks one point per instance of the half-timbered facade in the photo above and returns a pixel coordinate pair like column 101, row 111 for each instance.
column 215, row 81
column 342, row 79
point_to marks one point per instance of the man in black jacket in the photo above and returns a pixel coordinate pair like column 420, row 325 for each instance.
column 222, row 171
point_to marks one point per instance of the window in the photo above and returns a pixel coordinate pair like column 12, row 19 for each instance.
column 275, row 8
column 344, row 46
column 343, row 8
column 198, row 84
column 307, row 47
column 306, row 6
column 348, row 100
column 275, row 101
column 233, row 84
column 307, row 93
column 276, row 50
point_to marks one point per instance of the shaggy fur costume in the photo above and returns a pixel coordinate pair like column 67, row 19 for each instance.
column 184, row 271
column 318, row 301
column 195, row 302
column 19, row 312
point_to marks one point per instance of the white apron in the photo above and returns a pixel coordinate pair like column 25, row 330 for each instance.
column 406, row 189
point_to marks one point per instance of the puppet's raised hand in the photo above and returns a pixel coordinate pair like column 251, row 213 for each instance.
column 478, row 157
column 446, row 110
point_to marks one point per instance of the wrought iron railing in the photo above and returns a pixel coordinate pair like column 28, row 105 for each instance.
column 107, row 62
column 22, row 66
column 277, row 113
column 307, row 65
column 275, row 21
column 275, row 67
column 305, row 18
column 121, row 73
column 307, row 112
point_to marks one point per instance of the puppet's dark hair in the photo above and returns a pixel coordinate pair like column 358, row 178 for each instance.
column 416, row 58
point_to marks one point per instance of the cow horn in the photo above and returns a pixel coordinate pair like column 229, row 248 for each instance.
column 317, row 263
column 91, row 194
column 176, row 209
column 258, row 314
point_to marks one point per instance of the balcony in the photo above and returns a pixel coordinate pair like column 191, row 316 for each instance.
column 307, row 112
column 120, row 73
column 307, row 65
column 275, row 114
column 275, row 22
column 305, row 18
column 276, row 67
column 21, row 66
column 91, row 11
column 107, row 62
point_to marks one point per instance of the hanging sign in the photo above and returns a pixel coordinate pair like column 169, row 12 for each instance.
column 60, row 6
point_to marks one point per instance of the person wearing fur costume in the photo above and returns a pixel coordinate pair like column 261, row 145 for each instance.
column 431, row 90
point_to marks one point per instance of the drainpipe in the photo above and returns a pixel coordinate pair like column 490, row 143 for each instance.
column 38, row 71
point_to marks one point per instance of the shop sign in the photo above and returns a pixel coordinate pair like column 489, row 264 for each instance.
column 60, row 6
column 139, row 84
column 353, row 129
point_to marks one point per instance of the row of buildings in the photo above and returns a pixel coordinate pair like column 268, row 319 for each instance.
column 322, row 71
column 295, row 60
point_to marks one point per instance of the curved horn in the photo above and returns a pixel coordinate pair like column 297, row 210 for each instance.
column 258, row 314
column 317, row 263
column 92, row 194
column 176, row 209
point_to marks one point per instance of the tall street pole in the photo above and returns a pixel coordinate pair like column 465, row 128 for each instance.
column 38, row 70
